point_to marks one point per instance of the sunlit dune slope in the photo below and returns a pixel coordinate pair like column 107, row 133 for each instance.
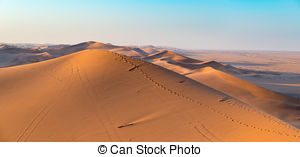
column 284, row 107
column 95, row 95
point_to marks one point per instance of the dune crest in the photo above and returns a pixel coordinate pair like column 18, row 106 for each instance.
column 96, row 95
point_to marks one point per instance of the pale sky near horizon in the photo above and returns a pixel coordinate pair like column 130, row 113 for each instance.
column 189, row 24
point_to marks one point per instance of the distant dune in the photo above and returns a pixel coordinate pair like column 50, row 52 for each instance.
column 97, row 95
column 180, row 63
column 11, row 56
column 61, row 51
column 130, row 51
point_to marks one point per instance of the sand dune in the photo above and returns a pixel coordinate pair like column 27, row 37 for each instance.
column 171, row 56
column 130, row 51
column 151, row 49
column 96, row 95
column 61, row 51
column 181, row 64
column 218, row 76
column 125, row 50
column 172, row 61
column 284, row 107
column 15, row 50
column 11, row 56
column 18, row 54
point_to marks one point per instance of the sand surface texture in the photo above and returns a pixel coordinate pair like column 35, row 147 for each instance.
column 96, row 95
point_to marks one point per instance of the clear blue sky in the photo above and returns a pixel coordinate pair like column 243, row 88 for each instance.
column 191, row 24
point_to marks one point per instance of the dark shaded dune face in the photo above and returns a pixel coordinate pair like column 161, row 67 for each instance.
column 140, row 51
column 96, row 95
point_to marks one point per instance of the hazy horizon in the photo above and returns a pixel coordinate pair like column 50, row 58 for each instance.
column 160, row 46
column 193, row 25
